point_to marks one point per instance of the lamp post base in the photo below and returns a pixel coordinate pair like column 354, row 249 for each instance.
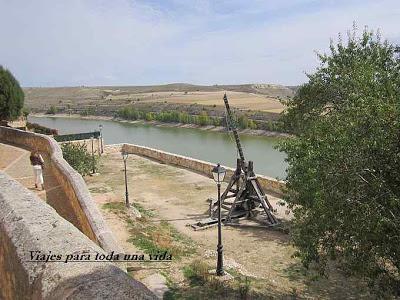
column 225, row 277
column 133, row 212
column 127, row 204
column 220, row 265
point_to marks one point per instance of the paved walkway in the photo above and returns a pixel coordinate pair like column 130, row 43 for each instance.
column 14, row 161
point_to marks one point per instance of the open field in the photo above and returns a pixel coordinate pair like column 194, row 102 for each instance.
column 255, row 97
column 240, row 100
column 170, row 198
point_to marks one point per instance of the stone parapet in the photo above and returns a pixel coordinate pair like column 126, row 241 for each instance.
column 203, row 167
column 29, row 224
column 87, row 217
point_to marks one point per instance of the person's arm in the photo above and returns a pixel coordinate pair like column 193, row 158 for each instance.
column 41, row 160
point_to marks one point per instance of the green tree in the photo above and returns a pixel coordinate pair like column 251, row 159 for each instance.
column 26, row 111
column 183, row 117
column 79, row 158
column 11, row 96
column 203, row 119
column 149, row 116
column 343, row 179
column 194, row 120
column 243, row 121
column 252, row 124
column 216, row 121
column 128, row 113
column 53, row 110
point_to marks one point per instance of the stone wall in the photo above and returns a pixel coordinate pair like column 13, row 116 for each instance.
column 203, row 167
column 87, row 218
column 29, row 224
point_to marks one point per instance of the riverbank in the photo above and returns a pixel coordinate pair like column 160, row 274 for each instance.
column 251, row 132
column 203, row 144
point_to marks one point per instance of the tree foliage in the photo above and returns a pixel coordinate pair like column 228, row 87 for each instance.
column 41, row 129
column 79, row 158
column 11, row 96
column 343, row 180
column 202, row 119
column 52, row 110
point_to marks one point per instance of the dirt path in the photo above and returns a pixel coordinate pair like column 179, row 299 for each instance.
column 179, row 197
column 15, row 162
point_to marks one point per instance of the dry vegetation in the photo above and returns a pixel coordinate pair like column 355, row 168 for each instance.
column 255, row 97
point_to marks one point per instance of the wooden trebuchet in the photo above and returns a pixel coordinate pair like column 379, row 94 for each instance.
column 244, row 196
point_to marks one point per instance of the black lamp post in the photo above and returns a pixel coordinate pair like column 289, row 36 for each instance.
column 219, row 175
column 93, row 167
column 125, row 157
column 101, row 138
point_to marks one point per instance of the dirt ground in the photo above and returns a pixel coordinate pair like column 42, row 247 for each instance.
column 179, row 196
column 246, row 101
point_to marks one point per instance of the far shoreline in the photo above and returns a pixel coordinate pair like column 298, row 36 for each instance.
column 251, row 132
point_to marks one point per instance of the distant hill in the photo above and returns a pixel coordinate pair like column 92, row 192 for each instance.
column 254, row 97
column 272, row 90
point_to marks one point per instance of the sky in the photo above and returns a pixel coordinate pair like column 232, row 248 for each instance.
column 139, row 42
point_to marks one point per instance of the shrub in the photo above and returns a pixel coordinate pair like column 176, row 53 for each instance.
column 128, row 113
column 216, row 121
column 197, row 272
column 243, row 121
column 41, row 129
column 88, row 111
column 26, row 111
column 149, row 116
column 203, row 119
column 79, row 158
column 52, row 110
column 184, row 118
column 252, row 124
column 244, row 287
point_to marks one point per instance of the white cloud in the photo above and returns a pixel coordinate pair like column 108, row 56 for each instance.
column 275, row 52
column 49, row 42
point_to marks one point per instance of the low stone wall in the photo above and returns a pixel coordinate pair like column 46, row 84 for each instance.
column 29, row 224
column 203, row 167
column 113, row 148
column 87, row 218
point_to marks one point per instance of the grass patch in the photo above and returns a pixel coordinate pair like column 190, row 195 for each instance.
column 100, row 190
column 114, row 206
column 175, row 234
column 200, row 284
column 143, row 211
column 148, row 245
column 150, row 237
column 153, row 238
column 197, row 272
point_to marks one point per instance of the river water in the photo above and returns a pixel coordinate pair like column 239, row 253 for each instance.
column 205, row 145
